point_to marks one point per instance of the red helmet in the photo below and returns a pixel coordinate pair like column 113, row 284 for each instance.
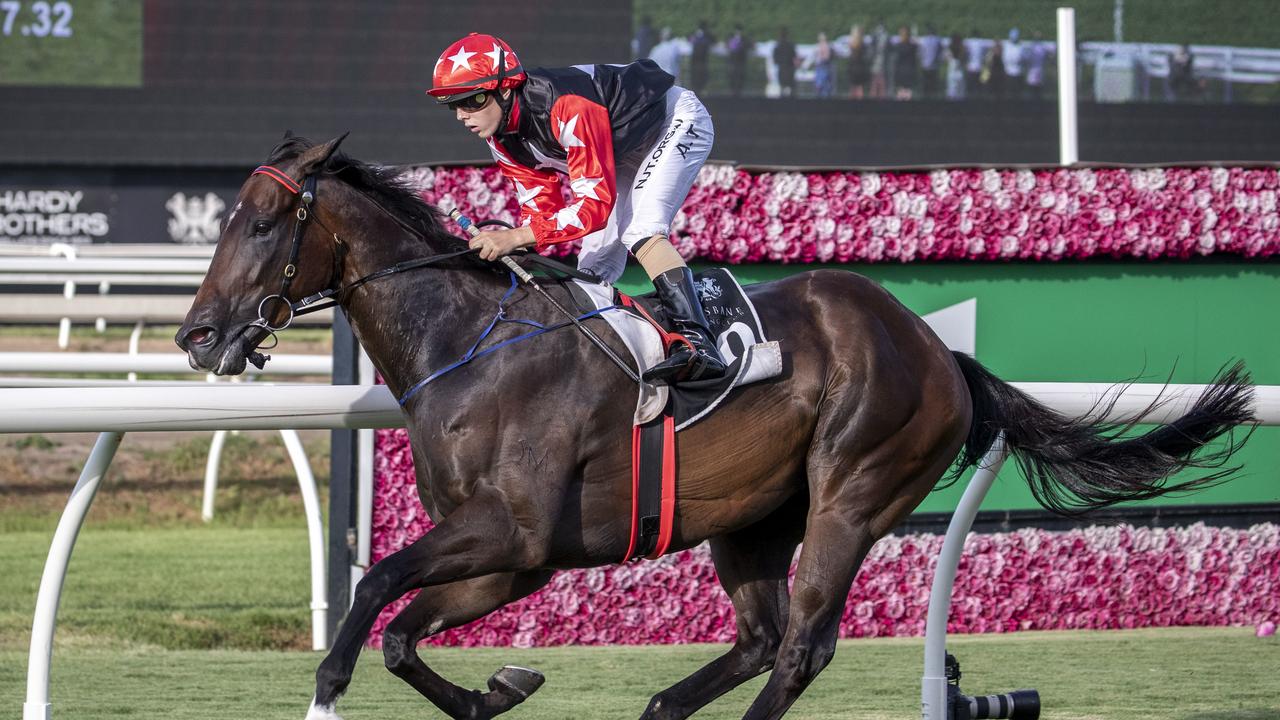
column 471, row 66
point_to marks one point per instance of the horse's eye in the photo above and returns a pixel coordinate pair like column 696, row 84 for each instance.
column 262, row 227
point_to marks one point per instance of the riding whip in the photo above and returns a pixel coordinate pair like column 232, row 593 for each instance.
column 466, row 224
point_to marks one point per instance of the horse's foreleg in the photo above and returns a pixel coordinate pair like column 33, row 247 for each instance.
column 448, row 606
column 752, row 566
column 480, row 537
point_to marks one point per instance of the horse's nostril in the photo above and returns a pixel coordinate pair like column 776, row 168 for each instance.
column 200, row 336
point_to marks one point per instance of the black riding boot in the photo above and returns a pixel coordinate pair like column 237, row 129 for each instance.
column 680, row 302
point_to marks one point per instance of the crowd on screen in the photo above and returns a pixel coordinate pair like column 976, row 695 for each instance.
column 874, row 61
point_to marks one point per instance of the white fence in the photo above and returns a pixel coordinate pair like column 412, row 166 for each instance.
column 116, row 273
column 116, row 411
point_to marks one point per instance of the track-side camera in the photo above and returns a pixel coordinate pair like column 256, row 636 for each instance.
column 1016, row 705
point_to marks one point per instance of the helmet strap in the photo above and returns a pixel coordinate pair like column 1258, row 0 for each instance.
column 505, row 103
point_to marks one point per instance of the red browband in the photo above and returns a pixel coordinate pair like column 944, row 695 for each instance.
column 279, row 177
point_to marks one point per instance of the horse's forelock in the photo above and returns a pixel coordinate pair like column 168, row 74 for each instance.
column 289, row 148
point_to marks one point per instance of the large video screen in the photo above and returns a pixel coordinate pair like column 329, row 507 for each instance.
column 71, row 42
column 214, row 83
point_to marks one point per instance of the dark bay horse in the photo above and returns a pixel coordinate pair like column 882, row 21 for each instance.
column 523, row 458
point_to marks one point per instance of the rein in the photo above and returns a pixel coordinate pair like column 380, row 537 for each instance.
column 330, row 297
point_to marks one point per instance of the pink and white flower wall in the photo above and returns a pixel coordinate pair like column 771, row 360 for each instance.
column 1097, row 578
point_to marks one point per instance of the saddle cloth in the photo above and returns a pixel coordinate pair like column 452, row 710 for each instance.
column 739, row 336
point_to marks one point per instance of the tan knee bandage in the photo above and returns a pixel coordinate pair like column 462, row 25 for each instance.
column 657, row 255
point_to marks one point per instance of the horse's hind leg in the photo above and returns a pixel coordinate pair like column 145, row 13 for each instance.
column 752, row 565
column 448, row 606
column 856, row 497
column 832, row 552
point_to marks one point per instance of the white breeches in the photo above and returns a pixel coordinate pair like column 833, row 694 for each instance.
column 650, row 195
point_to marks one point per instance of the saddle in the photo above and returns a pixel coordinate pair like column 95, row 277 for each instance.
column 663, row 411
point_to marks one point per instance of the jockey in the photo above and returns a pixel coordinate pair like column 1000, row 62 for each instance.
column 631, row 143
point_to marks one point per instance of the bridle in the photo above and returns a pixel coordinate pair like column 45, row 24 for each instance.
column 330, row 296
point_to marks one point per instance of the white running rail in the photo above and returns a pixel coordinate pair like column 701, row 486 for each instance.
column 114, row 411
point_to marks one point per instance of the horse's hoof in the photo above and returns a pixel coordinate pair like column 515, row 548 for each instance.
column 321, row 712
column 516, row 683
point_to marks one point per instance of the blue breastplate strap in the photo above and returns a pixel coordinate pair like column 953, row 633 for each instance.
column 501, row 316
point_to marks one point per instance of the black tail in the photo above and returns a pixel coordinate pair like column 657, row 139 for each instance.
column 1075, row 465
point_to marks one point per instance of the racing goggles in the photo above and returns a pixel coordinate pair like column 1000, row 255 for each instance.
column 471, row 103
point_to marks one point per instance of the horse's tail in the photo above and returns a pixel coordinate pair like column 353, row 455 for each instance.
column 1075, row 465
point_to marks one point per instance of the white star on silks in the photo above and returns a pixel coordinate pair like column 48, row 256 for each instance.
column 567, row 138
column 568, row 217
column 586, row 187
column 493, row 55
column 499, row 155
column 525, row 195
column 461, row 59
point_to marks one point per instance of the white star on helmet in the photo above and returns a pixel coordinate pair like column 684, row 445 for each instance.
column 494, row 53
column 461, row 59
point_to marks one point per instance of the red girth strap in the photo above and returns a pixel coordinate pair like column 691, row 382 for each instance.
column 279, row 176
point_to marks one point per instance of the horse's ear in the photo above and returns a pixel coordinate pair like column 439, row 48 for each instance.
column 288, row 135
column 317, row 157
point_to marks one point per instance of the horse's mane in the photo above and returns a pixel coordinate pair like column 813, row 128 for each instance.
column 386, row 185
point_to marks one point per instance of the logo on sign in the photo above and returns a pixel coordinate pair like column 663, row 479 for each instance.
column 195, row 219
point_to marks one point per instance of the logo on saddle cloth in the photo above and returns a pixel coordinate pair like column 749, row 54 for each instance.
column 708, row 290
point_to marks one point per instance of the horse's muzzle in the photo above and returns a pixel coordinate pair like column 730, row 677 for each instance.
column 208, row 350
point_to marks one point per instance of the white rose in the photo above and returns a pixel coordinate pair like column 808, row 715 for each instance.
column 825, row 227
column 1088, row 181
column 1218, row 179
column 990, row 180
column 1024, row 180
column 870, row 183
column 940, row 182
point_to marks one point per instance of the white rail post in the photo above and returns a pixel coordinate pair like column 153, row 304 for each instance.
column 1068, row 130
column 315, row 533
column 211, row 474
column 364, row 486
column 135, row 342
column 933, row 686
column 55, row 572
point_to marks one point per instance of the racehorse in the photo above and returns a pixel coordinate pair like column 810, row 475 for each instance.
column 523, row 458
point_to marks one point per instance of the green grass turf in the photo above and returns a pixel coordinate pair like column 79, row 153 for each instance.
column 177, row 588
column 174, row 622
column 1179, row 674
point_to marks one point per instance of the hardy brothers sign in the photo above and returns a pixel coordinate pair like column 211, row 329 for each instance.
column 37, row 216
column 44, row 214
